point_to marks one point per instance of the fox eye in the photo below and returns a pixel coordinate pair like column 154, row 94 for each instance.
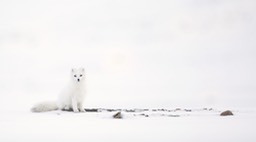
column 74, row 75
column 81, row 75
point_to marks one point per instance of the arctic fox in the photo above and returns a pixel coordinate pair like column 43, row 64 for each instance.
column 71, row 97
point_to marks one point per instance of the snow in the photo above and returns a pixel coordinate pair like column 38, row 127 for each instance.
column 137, row 54
column 200, row 126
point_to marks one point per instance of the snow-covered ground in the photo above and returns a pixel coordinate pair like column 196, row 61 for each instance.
column 137, row 54
column 199, row 126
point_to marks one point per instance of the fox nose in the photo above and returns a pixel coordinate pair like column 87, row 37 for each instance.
column 78, row 79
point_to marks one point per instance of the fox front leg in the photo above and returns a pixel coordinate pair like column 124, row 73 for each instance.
column 74, row 104
column 81, row 107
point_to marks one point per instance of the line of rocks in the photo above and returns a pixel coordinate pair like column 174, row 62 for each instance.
column 140, row 112
column 131, row 110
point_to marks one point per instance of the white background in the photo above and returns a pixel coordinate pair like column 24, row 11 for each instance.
column 137, row 53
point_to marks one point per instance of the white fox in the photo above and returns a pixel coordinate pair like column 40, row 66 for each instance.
column 72, row 96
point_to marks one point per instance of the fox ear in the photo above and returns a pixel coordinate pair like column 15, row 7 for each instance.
column 82, row 69
column 72, row 70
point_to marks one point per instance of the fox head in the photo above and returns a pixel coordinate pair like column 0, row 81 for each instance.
column 78, row 75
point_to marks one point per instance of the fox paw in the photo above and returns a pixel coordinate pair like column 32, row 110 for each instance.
column 82, row 110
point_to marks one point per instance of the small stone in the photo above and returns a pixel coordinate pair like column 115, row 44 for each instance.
column 118, row 115
column 188, row 110
column 92, row 110
column 226, row 113
column 143, row 114
column 177, row 109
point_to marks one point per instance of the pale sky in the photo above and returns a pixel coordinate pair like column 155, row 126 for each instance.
column 136, row 53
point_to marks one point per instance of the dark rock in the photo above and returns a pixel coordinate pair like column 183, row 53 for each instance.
column 209, row 109
column 143, row 114
column 177, row 109
column 70, row 109
column 118, row 115
column 188, row 110
column 129, row 110
column 110, row 110
column 226, row 113
column 91, row 110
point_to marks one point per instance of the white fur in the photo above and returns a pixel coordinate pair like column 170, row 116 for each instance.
column 71, row 97
column 44, row 106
